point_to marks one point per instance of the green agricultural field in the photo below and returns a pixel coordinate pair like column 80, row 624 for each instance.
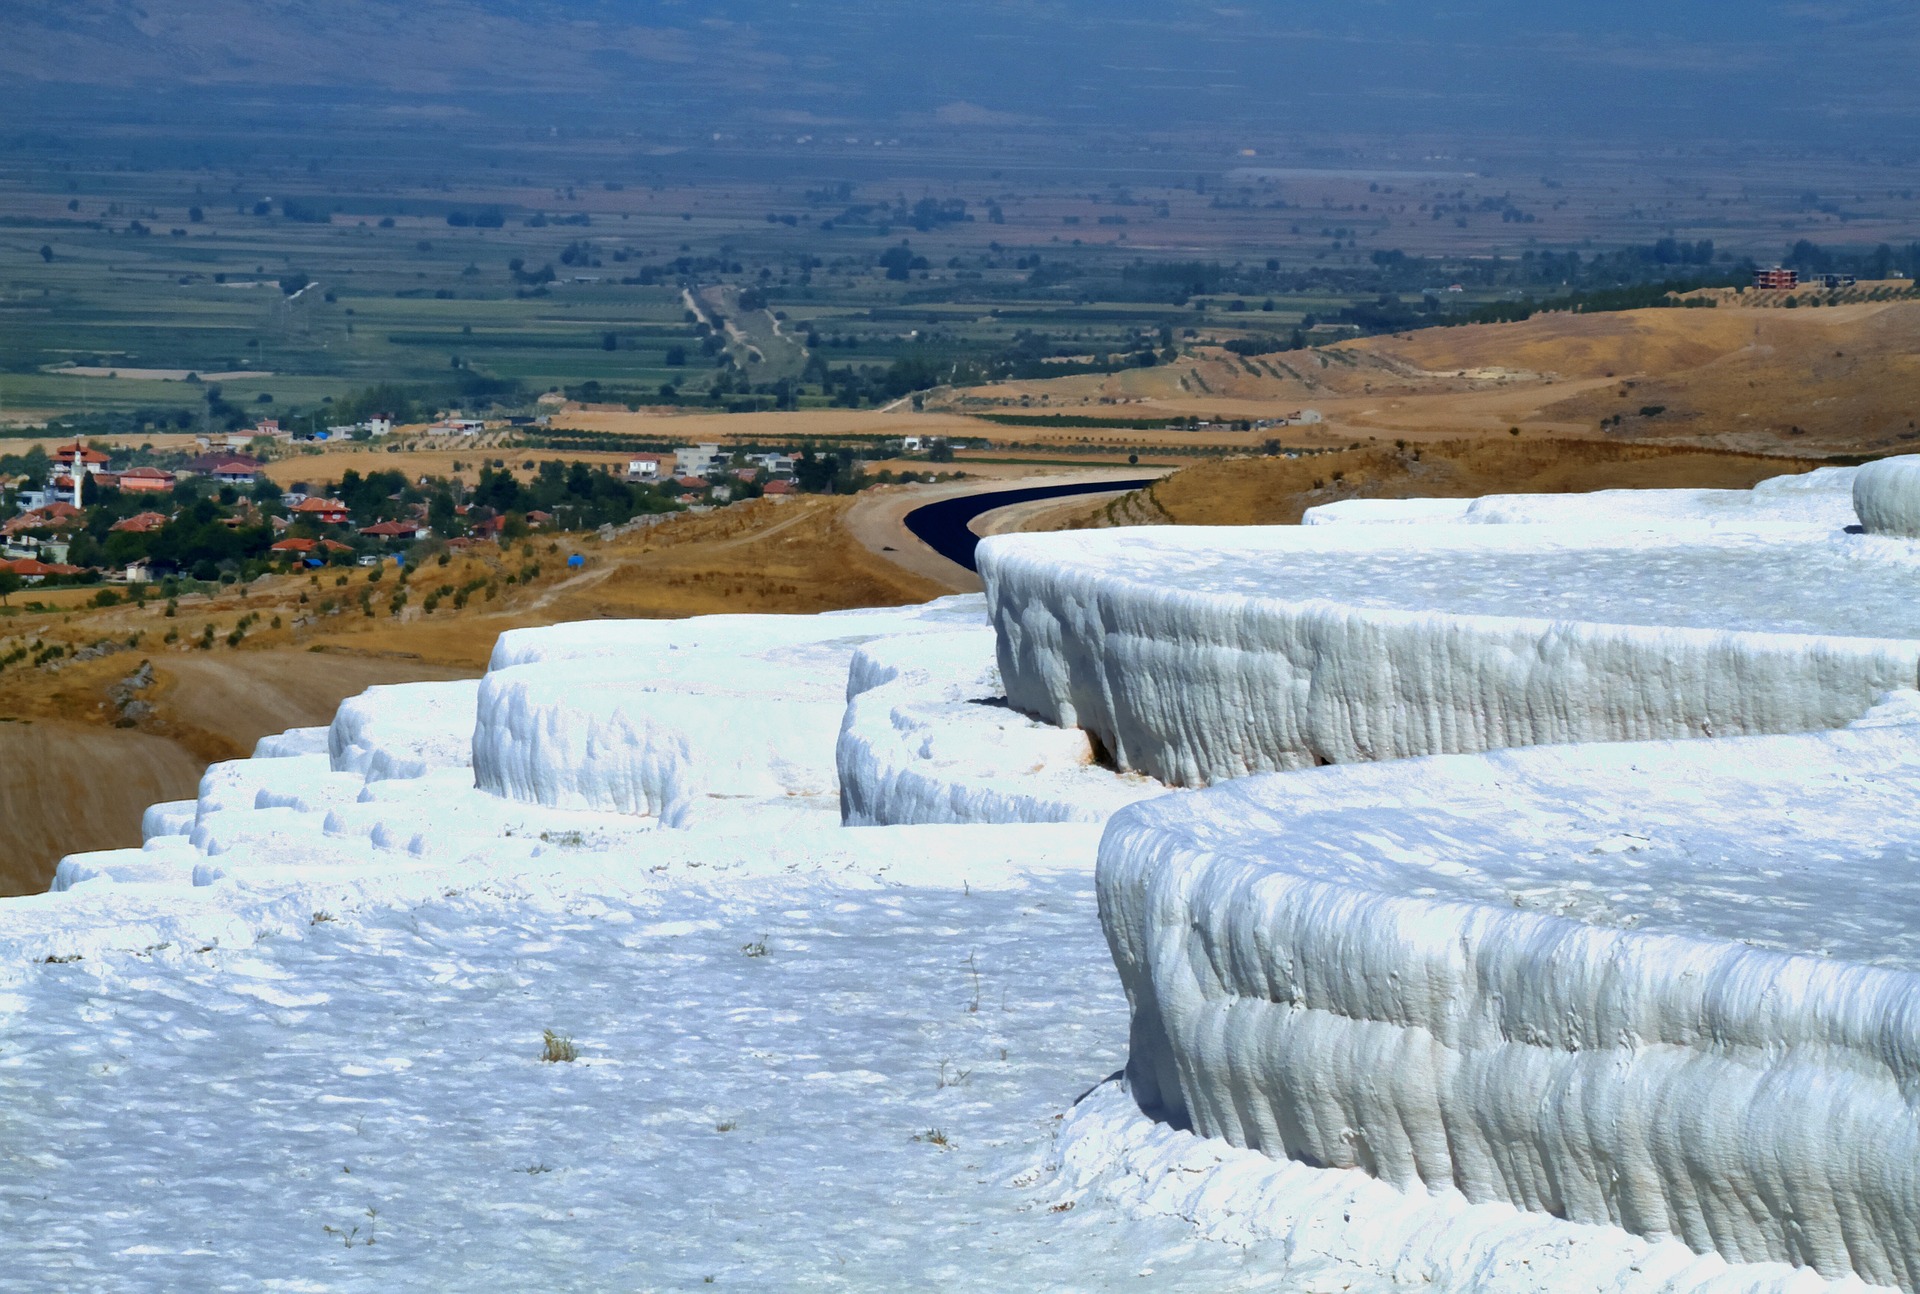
column 483, row 281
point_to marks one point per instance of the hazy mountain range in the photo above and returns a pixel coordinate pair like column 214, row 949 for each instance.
column 1794, row 72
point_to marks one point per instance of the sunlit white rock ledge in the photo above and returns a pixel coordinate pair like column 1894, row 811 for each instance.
column 679, row 720
column 1814, row 503
column 1198, row 654
column 1668, row 987
column 1886, row 495
column 929, row 737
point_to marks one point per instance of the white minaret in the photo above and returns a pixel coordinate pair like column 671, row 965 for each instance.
column 79, row 472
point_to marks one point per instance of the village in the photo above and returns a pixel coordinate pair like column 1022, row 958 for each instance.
column 88, row 513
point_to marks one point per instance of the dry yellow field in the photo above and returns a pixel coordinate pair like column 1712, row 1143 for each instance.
column 1839, row 379
column 445, row 458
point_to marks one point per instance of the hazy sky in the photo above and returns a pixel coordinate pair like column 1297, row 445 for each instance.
column 1681, row 70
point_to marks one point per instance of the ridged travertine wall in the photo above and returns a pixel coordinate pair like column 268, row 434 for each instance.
column 1192, row 685
column 928, row 738
column 678, row 720
column 1360, row 1014
column 1886, row 495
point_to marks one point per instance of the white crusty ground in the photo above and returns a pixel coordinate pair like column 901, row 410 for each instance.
column 1671, row 987
column 928, row 736
column 312, row 1003
column 1815, row 503
column 1198, row 654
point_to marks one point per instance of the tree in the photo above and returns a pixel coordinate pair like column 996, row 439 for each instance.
column 195, row 215
column 10, row 584
column 440, row 514
column 46, row 252
column 898, row 262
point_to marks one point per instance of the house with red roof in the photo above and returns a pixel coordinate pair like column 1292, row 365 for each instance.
column 228, row 469
column 146, row 480
column 327, row 512
column 54, row 516
column 310, row 547
column 396, row 531
column 33, row 570
column 65, row 457
column 141, row 523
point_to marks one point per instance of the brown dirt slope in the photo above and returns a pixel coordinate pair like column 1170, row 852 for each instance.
column 69, row 786
column 1275, row 491
column 792, row 559
column 218, row 707
column 1832, row 379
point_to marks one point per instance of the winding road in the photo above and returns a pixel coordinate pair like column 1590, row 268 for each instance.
column 944, row 525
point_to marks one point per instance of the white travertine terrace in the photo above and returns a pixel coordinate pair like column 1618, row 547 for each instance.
column 1198, row 654
column 1671, row 987
column 681, row 720
column 928, row 737
column 1816, row 502
column 1886, row 495
column 1618, row 1016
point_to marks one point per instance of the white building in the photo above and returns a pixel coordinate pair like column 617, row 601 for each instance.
column 696, row 460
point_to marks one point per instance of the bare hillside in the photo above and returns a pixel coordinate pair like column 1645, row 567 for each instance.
column 1843, row 379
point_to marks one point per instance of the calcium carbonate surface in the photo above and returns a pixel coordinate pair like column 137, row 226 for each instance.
column 1619, row 1019
column 1671, row 987
column 1816, row 502
column 1200, row 654
column 929, row 737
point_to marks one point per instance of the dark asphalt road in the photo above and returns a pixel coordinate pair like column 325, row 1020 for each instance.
column 942, row 526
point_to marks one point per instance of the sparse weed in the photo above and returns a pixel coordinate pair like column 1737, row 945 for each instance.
column 558, row 1049
column 353, row 1237
column 954, row 1079
column 934, row 1137
column 758, row 948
